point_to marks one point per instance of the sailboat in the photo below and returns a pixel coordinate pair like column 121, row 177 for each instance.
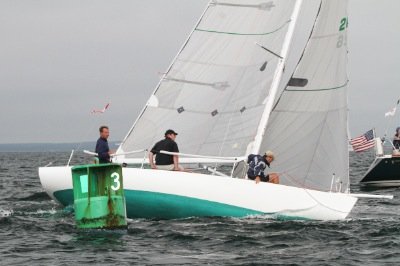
column 384, row 171
column 253, row 75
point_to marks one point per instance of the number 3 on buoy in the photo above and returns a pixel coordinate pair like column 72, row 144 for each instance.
column 117, row 184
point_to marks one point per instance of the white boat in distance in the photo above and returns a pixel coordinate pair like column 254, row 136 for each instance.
column 254, row 75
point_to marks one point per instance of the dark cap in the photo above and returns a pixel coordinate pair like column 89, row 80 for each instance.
column 170, row 131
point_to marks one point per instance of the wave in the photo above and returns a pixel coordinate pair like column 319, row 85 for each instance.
column 39, row 196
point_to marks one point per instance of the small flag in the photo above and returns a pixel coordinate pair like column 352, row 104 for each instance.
column 391, row 112
column 94, row 111
column 363, row 142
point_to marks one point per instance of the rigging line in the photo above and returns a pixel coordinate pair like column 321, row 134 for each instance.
column 244, row 34
column 231, row 117
column 79, row 145
column 298, row 184
column 304, row 51
column 268, row 50
column 316, row 200
column 318, row 141
column 90, row 128
column 168, row 70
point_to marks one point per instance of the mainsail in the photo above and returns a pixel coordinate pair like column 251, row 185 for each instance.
column 216, row 91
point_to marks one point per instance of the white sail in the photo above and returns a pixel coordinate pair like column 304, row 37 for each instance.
column 215, row 91
column 307, row 128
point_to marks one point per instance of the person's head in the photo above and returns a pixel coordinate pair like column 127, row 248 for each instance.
column 269, row 156
column 170, row 134
column 398, row 130
column 104, row 132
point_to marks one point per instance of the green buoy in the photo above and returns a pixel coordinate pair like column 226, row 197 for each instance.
column 99, row 200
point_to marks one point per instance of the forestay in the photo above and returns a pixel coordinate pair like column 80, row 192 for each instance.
column 308, row 125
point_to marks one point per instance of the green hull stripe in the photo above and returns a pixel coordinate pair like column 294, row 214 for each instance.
column 144, row 204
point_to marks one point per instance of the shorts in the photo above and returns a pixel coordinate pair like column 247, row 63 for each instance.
column 168, row 167
column 262, row 178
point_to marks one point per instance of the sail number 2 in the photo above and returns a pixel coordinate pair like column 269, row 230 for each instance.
column 117, row 183
column 344, row 24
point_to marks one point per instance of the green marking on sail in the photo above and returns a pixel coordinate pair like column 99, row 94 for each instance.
column 325, row 89
column 244, row 34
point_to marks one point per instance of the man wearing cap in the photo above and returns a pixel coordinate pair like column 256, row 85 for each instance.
column 165, row 161
column 257, row 165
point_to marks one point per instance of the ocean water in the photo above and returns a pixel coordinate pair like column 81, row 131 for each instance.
column 34, row 230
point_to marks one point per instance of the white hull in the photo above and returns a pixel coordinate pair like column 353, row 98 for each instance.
column 263, row 198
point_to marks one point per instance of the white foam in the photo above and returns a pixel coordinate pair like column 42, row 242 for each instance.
column 6, row 213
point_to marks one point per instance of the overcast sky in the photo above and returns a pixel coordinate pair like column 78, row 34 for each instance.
column 60, row 59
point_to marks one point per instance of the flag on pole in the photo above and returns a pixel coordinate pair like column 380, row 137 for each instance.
column 94, row 111
column 391, row 112
column 363, row 142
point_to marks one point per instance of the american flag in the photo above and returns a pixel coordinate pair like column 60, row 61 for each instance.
column 363, row 142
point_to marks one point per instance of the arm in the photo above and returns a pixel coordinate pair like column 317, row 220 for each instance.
column 259, row 171
column 151, row 160
column 176, row 163
column 174, row 148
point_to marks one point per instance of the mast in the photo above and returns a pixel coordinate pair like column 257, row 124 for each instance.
column 277, row 80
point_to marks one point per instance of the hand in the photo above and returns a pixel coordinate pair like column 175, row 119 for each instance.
column 153, row 166
column 258, row 179
column 176, row 169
